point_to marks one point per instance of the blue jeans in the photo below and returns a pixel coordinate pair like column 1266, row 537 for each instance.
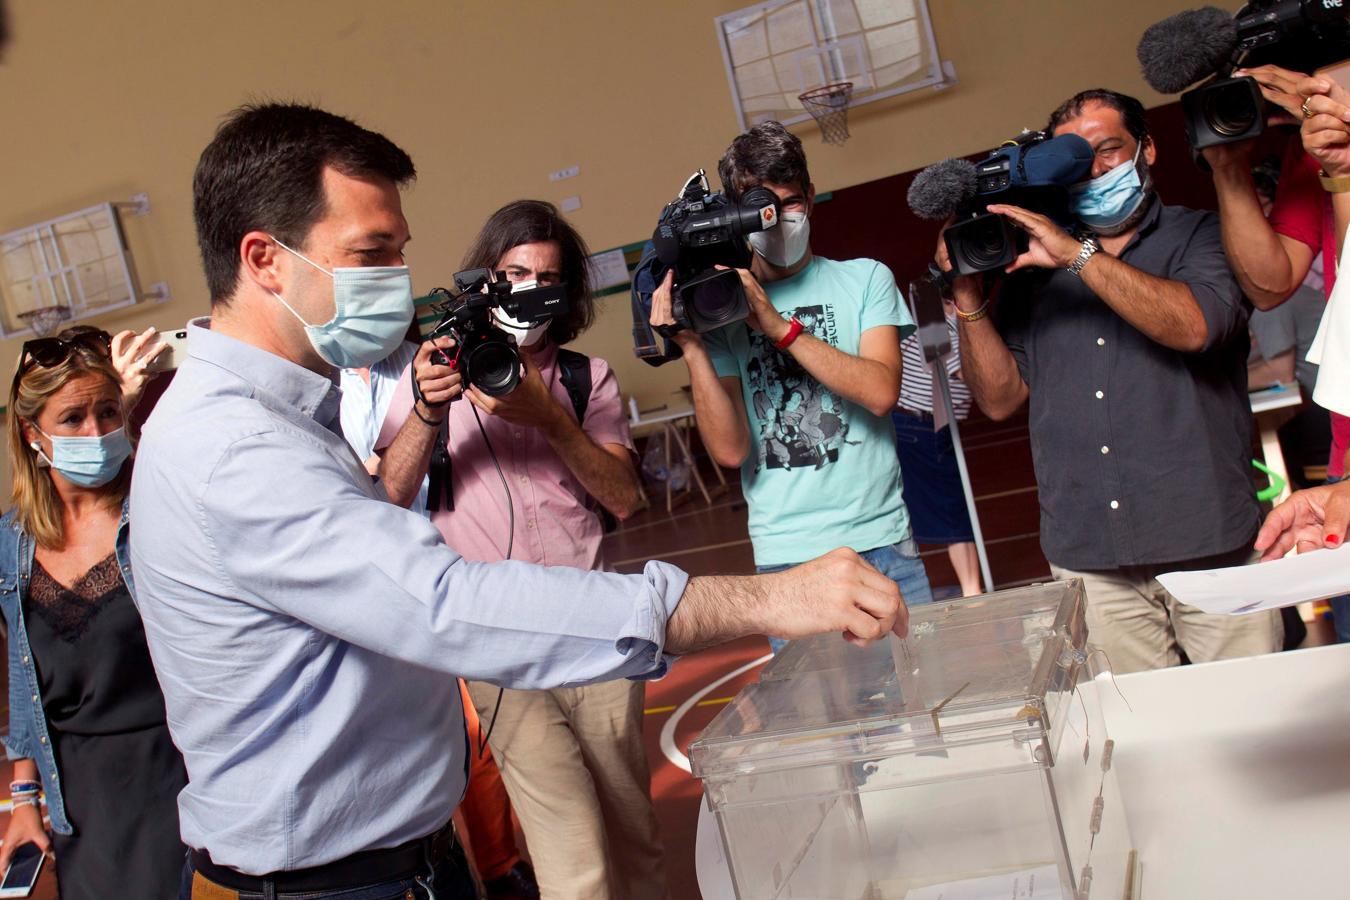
column 899, row 562
column 451, row 880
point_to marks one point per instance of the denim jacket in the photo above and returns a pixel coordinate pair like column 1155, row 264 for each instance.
column 28, row 737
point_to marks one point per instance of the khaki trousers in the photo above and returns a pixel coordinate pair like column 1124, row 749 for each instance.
column 576, row 770
column 1141, row 626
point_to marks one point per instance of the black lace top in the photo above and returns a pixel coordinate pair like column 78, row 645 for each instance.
column 89, row 649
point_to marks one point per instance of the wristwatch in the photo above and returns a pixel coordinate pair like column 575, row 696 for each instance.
column 1334, row 184
column 1090, row 246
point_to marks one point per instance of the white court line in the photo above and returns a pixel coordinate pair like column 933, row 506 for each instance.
column 668, row 730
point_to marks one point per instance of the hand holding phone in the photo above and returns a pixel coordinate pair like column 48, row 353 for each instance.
column 24, row 867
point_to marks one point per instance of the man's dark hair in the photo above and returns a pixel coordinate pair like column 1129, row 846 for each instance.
column 533, row 222
column 1131, row 111
column 767, row 152
column 263, row 171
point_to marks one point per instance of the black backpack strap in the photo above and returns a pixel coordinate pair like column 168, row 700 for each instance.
column 574, row 370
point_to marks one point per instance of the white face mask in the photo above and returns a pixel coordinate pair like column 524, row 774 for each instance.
column 373, row 307
column 785, row 244
column 525, row 335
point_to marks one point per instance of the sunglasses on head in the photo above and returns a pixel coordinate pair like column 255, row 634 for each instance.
column 52, row 351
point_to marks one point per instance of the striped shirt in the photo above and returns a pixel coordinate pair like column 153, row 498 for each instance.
column 916, row 381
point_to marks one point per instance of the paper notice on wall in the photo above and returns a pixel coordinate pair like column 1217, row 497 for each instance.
column 1269, row 585
column 608, row 269
column 1028, row 884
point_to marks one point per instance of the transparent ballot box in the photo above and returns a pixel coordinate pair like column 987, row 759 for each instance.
column 968, row 761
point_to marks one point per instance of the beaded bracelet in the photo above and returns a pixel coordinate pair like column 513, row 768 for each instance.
column 25, row 801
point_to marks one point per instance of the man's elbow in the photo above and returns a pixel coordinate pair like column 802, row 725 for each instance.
column 1197, row 338
column 999, row 409
column 632, row 503
column 730, row 457
column 1266, row 301
column 997, row 412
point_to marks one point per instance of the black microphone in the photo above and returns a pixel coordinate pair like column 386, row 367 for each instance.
column 1184, row 48
column 939, row 190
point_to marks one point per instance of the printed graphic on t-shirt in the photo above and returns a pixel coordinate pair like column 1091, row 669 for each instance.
column 801, row 422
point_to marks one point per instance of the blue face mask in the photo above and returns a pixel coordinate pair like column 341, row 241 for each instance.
column 1109, row 199
column 373, row 307
column 87, row 461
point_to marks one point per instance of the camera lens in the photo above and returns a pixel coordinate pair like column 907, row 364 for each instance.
column 719, row 301
column 1229, row 110
column 494, row 368
column 984, row 243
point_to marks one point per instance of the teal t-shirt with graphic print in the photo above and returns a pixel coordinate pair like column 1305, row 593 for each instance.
column 822, row 471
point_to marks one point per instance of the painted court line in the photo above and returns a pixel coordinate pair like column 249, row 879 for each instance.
column 668, row 747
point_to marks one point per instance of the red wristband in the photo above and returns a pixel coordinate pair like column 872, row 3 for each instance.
column 794, row 331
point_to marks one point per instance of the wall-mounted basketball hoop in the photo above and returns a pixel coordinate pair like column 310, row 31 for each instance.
column 45, row 320
column 828, row 105
column 797, row 60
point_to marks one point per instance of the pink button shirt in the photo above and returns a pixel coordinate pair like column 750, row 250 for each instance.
column 554, row 525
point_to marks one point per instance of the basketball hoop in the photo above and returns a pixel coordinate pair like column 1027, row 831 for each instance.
column 44, row 320
column 828, row 105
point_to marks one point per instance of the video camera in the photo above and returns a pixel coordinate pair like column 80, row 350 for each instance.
column 1033, row 171
column 1300, row 35
column 485, row 354
column 700, row 230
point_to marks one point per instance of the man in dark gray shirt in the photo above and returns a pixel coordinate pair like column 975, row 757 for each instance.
column 1130, row 339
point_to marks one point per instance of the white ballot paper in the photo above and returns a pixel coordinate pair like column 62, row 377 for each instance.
column 1268, row 585
column 1029, row 884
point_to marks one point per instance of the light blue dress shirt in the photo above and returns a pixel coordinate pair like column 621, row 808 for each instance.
column 365, row 404
column 305, row 630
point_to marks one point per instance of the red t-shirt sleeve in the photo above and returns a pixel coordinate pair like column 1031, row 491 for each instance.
column 1297, row 212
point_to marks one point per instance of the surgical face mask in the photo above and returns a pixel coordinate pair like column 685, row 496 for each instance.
column 1111, row 198
column 526, row 335
column 372, row 309
column 86, row 461
column 786, row 243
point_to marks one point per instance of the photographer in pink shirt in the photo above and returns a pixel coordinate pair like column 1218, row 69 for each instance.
column 572, row 757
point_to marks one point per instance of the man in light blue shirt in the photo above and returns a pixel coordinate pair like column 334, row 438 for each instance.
column 799, row 395
column 305, row 630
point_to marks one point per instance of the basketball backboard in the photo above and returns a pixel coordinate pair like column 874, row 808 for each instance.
column 778, row 50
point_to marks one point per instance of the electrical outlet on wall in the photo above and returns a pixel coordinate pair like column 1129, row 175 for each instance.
column 563, row 174
column 571, row 204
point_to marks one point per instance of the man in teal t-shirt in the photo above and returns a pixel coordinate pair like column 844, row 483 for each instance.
column 799, row 395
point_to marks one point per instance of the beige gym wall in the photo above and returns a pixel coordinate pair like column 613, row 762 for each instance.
column 103, row 100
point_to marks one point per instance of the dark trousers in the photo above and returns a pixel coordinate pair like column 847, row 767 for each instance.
column 451, row 880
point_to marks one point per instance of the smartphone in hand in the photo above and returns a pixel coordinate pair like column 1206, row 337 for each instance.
column 23, row 871
column 170, row 357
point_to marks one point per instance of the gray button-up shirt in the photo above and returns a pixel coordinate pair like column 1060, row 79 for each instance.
column 306, row 631
column 1142, row 453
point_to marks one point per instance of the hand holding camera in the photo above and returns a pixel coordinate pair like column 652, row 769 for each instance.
column 1048, row 245
column 530, row 404
column 477, row 315
column 763, row 316
column 438, row 381
column 662, row 315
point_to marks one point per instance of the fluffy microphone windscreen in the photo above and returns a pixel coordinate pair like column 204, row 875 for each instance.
column 939, row 190
column 1184, row 48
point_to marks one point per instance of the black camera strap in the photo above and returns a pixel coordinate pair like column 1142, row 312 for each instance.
column 440, row 487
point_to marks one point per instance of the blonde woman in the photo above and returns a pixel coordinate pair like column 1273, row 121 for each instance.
column 86, row 716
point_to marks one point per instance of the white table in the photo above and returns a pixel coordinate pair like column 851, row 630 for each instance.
column 673, row 422
column 1265, row 403
column 1235, row 776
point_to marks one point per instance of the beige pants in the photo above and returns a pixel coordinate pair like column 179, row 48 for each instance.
column 1141, row 626
column 576, row 770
